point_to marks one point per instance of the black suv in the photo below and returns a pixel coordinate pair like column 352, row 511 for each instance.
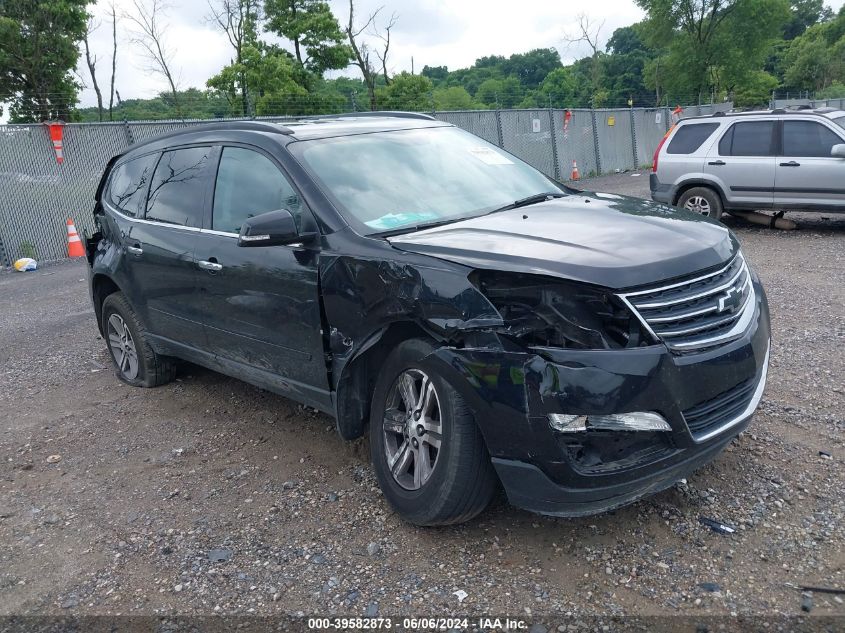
column 486, row 323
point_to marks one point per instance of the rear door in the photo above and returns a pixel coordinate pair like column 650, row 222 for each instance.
column 160, row 248
column 260, row 305
column 743, row 163
column 807, row 175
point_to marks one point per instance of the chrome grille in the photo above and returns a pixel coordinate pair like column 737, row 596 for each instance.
column 698, row 312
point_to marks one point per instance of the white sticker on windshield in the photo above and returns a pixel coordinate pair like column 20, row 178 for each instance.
column 490, row 156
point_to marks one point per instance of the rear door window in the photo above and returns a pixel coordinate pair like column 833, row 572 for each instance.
column 808, row 139
column 177, row 191
column 690, row 137
column 748, row 138
column 129, row 183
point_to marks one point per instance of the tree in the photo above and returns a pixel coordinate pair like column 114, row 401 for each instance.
column 238, row 19
column 310, row 25
column 454, row 98
column 588, row 32
column 276, row 81
column 361, row 50
column 91, row 62
column 500, row 93
column 39, row 51
column 532, row 67
column 435, row 73
column 407, row 92
column 816, row 59
column 150, row 36
column 712, row 45
column 113, row 13
column 805, row 13
column 624, row 66
column 756, row 90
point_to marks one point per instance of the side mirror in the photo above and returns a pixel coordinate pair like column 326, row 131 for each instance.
column 838, row 150
column 273, row 228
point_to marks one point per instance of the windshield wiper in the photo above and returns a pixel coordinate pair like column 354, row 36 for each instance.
column 413, row 228
column 525, row 202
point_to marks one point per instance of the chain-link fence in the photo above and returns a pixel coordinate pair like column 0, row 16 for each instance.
column 37, row 195
column 839, row 104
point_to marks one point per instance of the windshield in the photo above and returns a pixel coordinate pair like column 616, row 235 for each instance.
column 385, row 181
column 840, row 121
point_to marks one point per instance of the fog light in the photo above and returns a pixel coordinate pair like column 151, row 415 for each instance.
column 637, row 421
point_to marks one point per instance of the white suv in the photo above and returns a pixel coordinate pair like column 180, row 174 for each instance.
column 776, row 159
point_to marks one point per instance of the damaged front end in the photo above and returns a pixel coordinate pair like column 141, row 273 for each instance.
column 581, row 408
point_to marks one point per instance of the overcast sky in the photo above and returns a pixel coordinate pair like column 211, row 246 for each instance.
column 434, row 32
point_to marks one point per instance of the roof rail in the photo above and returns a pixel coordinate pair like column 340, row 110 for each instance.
column 245, row 125
column 377, row 113
column 825, row 110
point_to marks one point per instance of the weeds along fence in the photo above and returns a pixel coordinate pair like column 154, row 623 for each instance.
column 37, row 195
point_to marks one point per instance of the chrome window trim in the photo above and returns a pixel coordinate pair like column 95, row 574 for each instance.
column 113, row 209
column 749, row 409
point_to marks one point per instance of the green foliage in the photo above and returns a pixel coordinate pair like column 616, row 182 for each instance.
column 38, row 54
column 319, row 43
column 194, row 104
column 836, row 90
column 816, row 59
column 406, row 92
column 804, row 14
column 755, row 90
column 500, row 93
column 712, row 45
column 454, row 98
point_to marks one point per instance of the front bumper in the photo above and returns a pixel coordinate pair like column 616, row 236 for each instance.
column 573, row 474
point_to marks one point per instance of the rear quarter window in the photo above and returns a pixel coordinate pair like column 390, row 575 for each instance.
column 690, row 137
column 128, row 185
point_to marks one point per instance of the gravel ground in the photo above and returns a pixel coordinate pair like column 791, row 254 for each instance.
column 208, row 496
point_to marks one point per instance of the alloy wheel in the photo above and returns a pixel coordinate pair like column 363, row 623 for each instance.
column 413, row 430
column 698, row 204
column 123, row 347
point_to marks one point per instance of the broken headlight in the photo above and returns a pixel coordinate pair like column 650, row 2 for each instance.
column 548, row 312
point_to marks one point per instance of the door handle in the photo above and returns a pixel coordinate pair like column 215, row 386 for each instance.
column 210, row 266
column 135, row 250
column 791, row 163
column 717, row 162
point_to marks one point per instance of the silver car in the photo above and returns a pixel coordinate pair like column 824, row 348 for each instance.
column 776, row 159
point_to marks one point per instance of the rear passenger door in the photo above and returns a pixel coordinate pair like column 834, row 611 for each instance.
column 160, row 248
column 743, row 163
column 807, row 175
column 261, row 305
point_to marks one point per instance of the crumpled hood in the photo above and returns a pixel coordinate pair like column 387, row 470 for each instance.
column 599, row 238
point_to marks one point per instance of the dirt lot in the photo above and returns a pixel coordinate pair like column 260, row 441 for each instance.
column 208, row 496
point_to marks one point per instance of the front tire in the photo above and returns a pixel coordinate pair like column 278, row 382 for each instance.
column 135, row 361
column 428, row 454
column 703, row 201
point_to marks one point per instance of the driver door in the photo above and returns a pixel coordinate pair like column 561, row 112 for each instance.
column 260, row 305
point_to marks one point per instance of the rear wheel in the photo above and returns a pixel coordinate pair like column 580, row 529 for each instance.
column 135, row 361
column 702, row 200
column 427, row 451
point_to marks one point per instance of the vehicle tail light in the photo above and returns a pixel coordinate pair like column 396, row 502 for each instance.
column 659, row 147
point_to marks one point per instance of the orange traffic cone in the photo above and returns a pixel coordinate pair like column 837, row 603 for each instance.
column 575, row 175
column 74, row 244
